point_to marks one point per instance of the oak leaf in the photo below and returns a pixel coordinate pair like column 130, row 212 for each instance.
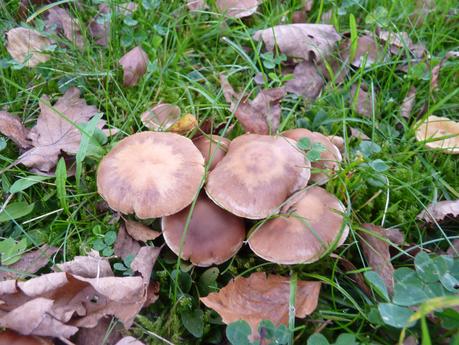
column 11, row 127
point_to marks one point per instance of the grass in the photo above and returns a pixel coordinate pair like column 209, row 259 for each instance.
column 187, row 54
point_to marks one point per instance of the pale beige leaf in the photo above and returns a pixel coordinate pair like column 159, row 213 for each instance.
column 104, row 331
column 238, row 8
column 12, row 338
column 90, row 266
column 306, row 82
column 161, row 117
column 129, row 341
column 59, row 19
column 358, row 134
column 439, row 133
column 260, row 297
column 311, row 42
column 196, row 5
column 26, row 46
column 439, row 211
column 362, row 102
column 408, row 103
column 99, row 26
column 140, row 232
column 125, row 245
column 134, row 64
column 11, row 127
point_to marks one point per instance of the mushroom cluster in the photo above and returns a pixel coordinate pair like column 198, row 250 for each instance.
column 251, row 178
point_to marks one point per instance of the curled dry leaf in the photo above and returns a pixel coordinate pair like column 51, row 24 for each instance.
column 29, row 263
column 26, row 46
column 454, row 249
column 310, row 42
column 238, row 8
column 306, row 82
column 436, row 70
column 129, row 341
column 125, row 245
column 361, row 101
column 260, row 297
column 338, row 142
column 13, row 338
column 358, row 134
column 134, row 65
column 196, row 5
column 260, row 115
column 301, row 15
column 99, row 27
column 185, row 124
column 367, row 53
column 376, row 252
column 59, row 19
column 140, row 232
column 101, row 334
column 439, row 133
column 55, row 131
column 440, row 211
column 161, row 117
column 356, row 276
column 90, row 266
column 408, row 103
column 11, row 127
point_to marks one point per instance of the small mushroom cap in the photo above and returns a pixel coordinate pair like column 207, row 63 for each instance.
column 257, row 175
column 151, row 174
column 440, row 127
column 304, row 235
column 329, row 159
column 212, row 147
column 214, row 235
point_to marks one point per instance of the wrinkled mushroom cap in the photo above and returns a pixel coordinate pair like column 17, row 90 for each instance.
column 305, row 234
column 212, row 147
column 329, row 159
column 151, row 174
column 214, row 235
column 257, row 175
column 440, row 127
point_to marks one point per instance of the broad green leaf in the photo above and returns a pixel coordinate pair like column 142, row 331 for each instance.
column 346, row 339
column 317, row 339
column 2, row 144
column 110, row 238
column 450, row 282
column 238, row 333
column 99, row 245
column 378, row 165
column 16, row 210
column 304, row 143
column 119, row 266
column 429, row 270
column 193, row 322
column 395, row 316
column 26, row 182
column 11, row 250
column 369, row 148
column 107, row 251
column 354, row 37
column 61, row 179
column 409, row 289
column 449, row 318
column 208, row 280
column 184, row 280
column 377, row 283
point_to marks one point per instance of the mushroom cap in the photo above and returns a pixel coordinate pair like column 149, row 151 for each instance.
column 257, row 175
column 151, row 174
column 438, row 127
column 161, row 116
column 212, row 147
column 304, row 235
column 214, row 235
column 329, row 159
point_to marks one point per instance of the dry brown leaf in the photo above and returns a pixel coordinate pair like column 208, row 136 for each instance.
column 260, row 297
column 161, row 117
column 358, row 134
column 140, row 232
column 13, row 338
column 367, row 53
column 125, row 245
column 238, row 8
column 376, row 252
column 357, row 277
column 196, row 5
column 440, row 211
column 311, row 42
column 97, row 335
column 29, row 263
column 99, row 26
column 439, row 133
column 185, row 124
column 306, row 82
column 134, row 64
column 12, row 127
column 90, row 266
column 395, row 40
column 395, row 236
column 436, row 70
column 129, row 341
column 338, row 142
column 361, row 101
column 454, row 249
column 53, row 134
column 26, row 46
column 408, row 103
column 59, row 19
column 301, row 15
column 260, row 115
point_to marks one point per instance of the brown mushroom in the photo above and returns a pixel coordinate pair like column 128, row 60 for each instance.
column 440, row 133
column 312, row 226
column 213, row 148
column 151, row 174
column 213, row 235
column 329, row 159
column 257, row 175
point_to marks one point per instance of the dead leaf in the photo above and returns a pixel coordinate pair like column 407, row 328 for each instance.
column 395, row 236
column 27, row 46
column 185, row 124
column 13, row 338
column 55, row 131
column 436, row 70
column 97, row 335
column 140, row 232
column 29, row 263
column 376, row 252
column 196, row 5
column 301, row 15
column 260, row 115
column 99, row 26
column 358, row 134
column 125, row 245
column 59, row 19
column 306, row 82
column 411, row 340
column 395, row 40
column 161, row 117
column 338, row 142
column 238, row 8
column 12, row 127
column 361, row 101
column 90, row 266
column 408, row 103
column 357, row 277
column 134, row 65
column 129, row 341
column 440, row 211
column 454, row 249
column 144, row 262
column 367, row 53
column 439, row 133
column 260, row 297
column 310, row 42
